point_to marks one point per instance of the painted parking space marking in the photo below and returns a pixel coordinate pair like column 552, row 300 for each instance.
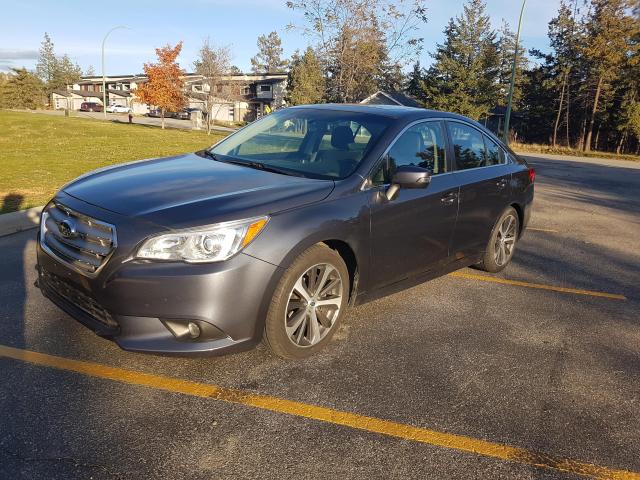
column 540, row 286
column 352, row 420
column 538, row 229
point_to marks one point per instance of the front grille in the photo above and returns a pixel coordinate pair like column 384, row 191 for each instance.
column 77, row 298
column 78, row 240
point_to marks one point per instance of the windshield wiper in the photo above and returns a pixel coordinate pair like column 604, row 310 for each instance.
column 260, row 166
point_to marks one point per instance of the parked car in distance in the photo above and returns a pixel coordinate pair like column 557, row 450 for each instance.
column 275, row 231
column 185, row 114
column 118, row 109
column 91, row 107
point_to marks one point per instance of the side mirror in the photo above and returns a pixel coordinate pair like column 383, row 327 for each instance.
column 408, row 176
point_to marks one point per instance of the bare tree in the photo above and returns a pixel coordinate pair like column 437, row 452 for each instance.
column 360, row 43
column 213, row 63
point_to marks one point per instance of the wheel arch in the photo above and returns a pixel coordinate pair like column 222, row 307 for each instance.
column 349, row 257
column 520, row 211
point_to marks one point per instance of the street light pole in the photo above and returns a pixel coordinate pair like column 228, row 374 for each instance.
column 104, row 81
column 507, row 116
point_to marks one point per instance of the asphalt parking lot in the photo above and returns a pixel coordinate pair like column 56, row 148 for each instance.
column 533, row 373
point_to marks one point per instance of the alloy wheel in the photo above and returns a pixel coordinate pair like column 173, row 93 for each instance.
column 314, row 305
column 505, row 240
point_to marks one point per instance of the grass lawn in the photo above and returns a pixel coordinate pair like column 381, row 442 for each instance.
column 538, row 148
column 40, row 153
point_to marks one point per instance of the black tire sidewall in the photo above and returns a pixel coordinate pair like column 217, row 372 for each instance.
column 489, row 263
column 275, row 335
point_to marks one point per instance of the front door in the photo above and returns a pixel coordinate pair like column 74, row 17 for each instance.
column 412, row 232
column 485, row 189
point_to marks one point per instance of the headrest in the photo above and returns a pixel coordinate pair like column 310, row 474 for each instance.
column 341, row 137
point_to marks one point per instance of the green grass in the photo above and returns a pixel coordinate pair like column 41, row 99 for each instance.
column 40, row 153
column 558, row 150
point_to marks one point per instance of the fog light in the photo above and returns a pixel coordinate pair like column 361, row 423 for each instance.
column 194, row 330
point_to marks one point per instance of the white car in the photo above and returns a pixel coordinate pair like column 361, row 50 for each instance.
column 118, row 109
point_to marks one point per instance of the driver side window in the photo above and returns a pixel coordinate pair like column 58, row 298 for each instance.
column 421, row 145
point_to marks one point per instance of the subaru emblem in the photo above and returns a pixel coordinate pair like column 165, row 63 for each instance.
column 67, row 229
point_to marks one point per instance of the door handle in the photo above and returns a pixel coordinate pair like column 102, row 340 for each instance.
column 501, row 183
column 449, row 198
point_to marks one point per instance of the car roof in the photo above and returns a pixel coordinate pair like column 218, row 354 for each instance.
column 395, row 111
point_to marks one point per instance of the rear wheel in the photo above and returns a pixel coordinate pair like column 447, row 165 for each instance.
column 502, row 242
column 308, row 303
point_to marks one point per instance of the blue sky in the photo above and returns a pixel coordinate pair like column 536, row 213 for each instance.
column 77, row 28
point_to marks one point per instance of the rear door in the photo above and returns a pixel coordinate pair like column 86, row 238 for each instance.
column 411, row 233
column 482, row 173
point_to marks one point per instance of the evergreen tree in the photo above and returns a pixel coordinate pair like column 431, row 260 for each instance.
column 55, row 72
column 609, row 33
column 47, row 61
column 464, row 76
column 23, row 89
column 269, row 56
column 65, row 73
column 415, row 83
column 306, row 83
column 506, row 50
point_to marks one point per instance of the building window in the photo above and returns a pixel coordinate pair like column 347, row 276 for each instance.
column 265, row 88
column 246, row 90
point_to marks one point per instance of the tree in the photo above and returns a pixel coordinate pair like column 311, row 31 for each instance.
column 415, row 83
column 90, row 72
column 234, row 70
column 23, row 89
column 361, row 44
column 305, row 84
column 506, row 49
column 269, row 56
column 212, row 63
column 609, row 30
column 55, row 72
column 65, row 73
column 464, row 77
column 164, row 89
column 47, row 61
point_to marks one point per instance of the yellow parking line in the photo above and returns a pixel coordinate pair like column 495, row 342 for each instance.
column 537, row 229
column 322, row 414
column 541, row 286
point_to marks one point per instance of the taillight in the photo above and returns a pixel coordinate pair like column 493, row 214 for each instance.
column 532, row 175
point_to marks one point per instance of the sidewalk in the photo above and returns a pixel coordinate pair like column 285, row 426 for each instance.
column 15, row 222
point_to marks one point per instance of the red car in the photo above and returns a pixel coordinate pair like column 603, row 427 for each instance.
column 91, row 107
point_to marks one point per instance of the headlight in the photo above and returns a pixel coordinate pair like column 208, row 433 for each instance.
column 213, row 243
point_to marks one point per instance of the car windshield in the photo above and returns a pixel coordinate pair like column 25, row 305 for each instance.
column 315, row 143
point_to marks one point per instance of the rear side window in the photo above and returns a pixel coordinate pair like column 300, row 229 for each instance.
column 468, row 146
column 421, row 145
column 495, row 154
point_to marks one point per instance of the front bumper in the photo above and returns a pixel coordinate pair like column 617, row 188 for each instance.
column 130, row 302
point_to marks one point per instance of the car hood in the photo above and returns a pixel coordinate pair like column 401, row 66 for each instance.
column 189, row 190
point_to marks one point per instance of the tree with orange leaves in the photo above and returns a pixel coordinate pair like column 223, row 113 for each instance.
column 164, row 89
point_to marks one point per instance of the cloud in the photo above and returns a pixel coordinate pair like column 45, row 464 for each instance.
column 17, row 54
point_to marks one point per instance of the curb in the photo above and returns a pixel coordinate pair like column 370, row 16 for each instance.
column 19, row 221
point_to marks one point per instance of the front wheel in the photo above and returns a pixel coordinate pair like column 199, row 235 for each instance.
column 502, row 242
column 308, row 304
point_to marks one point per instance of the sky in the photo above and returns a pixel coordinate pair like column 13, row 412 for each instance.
column 77, row 28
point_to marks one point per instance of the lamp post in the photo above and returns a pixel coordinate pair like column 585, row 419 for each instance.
column 507, row 116
column 104, row 81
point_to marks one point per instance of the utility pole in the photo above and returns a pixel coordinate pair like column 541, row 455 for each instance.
column 104, row 81
column 507, row 116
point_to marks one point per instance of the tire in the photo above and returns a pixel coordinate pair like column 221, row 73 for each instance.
column 499, row 252
column 296, row 327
